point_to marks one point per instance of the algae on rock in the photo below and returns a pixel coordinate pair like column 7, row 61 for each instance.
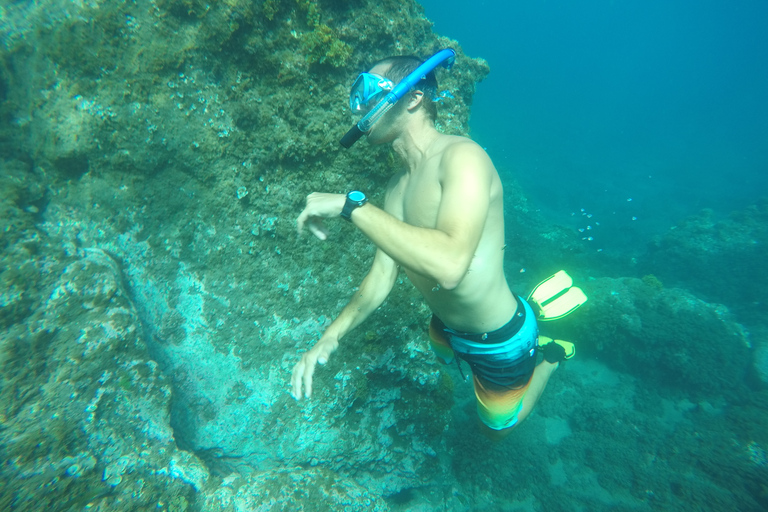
column 665, row 335
column 85, row 409
column 145, row 122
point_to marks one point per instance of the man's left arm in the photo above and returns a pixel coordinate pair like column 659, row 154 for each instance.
column 444, row 253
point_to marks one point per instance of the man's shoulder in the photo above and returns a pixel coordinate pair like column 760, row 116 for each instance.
column 457, row 147
column 457, row 141
column 461, row 153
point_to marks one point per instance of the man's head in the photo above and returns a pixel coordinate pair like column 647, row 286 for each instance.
column 388, row 108
column 398, row 67
column 371, row 87
column 410, row 104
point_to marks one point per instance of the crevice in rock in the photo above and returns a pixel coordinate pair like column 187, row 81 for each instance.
column 72, row 167
column 182, row 419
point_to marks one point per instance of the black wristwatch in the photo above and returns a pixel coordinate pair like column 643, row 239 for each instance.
column 355, row 199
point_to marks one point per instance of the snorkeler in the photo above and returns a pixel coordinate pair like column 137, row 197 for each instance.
column 443, row 223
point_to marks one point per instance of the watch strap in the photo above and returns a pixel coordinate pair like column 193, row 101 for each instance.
column 355, row 199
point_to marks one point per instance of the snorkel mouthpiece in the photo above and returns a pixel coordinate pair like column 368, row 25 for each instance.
column 352, row 136
column 445, row 57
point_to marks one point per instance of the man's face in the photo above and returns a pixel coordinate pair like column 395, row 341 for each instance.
column 384, row 130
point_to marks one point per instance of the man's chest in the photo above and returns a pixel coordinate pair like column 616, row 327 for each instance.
column 420, row 200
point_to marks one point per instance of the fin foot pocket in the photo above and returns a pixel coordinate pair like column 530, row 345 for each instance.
column 556, row 351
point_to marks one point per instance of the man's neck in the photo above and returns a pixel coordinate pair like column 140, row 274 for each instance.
column 414, row 143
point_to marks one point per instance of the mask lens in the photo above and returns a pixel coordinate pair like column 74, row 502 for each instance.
column 368, row 90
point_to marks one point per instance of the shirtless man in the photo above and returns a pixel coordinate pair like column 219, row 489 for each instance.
column 443, row 223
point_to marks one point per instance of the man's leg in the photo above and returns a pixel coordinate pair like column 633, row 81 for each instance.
column 536, row 386
column 554, row 354
column 541, row 376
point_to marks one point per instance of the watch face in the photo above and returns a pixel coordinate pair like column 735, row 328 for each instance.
column 356, row 195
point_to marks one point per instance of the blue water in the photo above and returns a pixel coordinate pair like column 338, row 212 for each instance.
column 591, row 104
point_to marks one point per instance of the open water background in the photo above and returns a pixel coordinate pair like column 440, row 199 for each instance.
column 590, row 104
column 621, row 119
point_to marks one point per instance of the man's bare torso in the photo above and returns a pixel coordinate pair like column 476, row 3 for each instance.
column 482, row 301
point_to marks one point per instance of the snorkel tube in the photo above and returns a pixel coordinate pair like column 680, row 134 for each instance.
column 444, row 57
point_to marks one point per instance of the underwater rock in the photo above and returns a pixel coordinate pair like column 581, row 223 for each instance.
column 377, row 416
column 309, row 490
column 86, row 411
column 719, row 259
column 760, row 364
column 367, row 420
column 666, row 335
column 144, row 119
column 207, row 87
column 227, row 336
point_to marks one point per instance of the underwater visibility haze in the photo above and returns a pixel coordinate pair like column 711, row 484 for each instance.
column 154, row 294
column 594, row 103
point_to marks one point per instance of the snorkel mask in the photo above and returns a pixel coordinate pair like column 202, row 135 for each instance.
column 369, row 89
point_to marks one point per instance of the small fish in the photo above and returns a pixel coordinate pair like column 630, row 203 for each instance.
column 445, row 95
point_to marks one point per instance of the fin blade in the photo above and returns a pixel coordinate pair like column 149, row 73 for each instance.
column 551, row 287
column 570, row 348
column 563, row 305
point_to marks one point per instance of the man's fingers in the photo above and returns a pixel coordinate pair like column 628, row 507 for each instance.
column 305, row 215
column 315, row 225
column 302, row 375
column 301, row 220
column 298, row 371
column 305, row 368
column 308, row 372
column 318, row 229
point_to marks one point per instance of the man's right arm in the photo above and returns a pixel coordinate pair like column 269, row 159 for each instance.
column 371, row 294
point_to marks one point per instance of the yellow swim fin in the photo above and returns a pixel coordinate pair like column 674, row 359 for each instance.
column 555, row 297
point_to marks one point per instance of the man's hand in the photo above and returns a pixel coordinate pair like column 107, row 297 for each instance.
column 304, row 369
column 320, row 206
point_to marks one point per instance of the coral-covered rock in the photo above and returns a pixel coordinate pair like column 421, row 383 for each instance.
column 665, row 335
column 719, row 259
column 212, row 87
column 174, row 142
column 760, row 364
column 85, row 409
column 288, row 490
